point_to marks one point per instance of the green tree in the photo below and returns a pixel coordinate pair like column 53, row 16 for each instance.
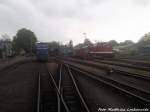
column 145, row 40
column 127, row 42
column 87, row 42
column 15, row 47
column 53, row 45
column 70, row 44
column 113, row 43
column 80, row 45
column 25, row 39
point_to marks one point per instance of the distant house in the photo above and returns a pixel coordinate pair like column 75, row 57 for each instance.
column 5, row 49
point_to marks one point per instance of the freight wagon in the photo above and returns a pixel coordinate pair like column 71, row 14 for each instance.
column 42, row 51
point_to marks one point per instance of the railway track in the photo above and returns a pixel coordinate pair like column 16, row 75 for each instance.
column 133, row 85
column 105, row 63
column 140, row 75
column 145, row 63
column 59, row 93
column 47, row 96
column 71, row 93
column 129, row 65
column 141, row 97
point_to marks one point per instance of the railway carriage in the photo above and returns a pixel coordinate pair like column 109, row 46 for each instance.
column 102, row 50
column 42, row 51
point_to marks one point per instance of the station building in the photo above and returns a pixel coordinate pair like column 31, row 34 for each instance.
column 5, row 49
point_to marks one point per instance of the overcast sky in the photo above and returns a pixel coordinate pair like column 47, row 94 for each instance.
column 62, row 20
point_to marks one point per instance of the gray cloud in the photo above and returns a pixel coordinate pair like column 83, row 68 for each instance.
column 142, row 2
column 64, row 20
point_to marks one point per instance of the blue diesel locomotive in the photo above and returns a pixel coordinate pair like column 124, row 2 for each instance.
column 42, row 51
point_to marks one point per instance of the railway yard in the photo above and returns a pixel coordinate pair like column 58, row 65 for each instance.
column 75, row 56
column 75, row 85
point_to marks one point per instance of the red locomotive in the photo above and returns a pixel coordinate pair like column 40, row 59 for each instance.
column 102, row 50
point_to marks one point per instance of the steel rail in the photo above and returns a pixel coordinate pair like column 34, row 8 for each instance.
column 136, row 75
column 124, row 65
column 138, row 89
column 78, row 91
column 62, row 95
column 60, row 78
column 60, row 98
column 59, row 86
column 141, row 62
column 39, row 93
column 110, row 84
column 60, row 89
column 139, row 76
